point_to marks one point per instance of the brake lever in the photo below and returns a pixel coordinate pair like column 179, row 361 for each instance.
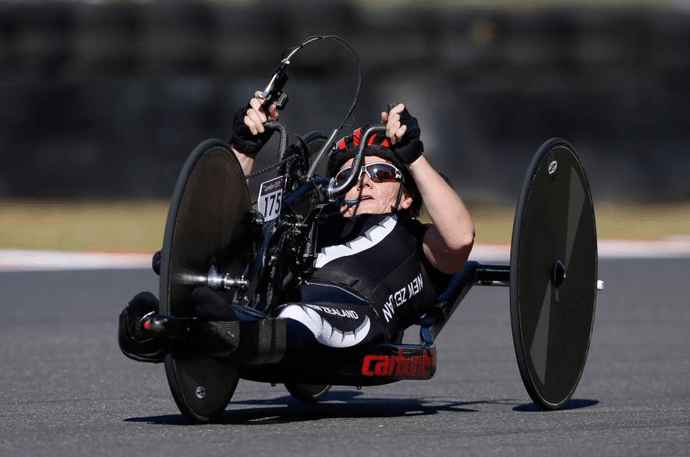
column 273, row 93
column 274, row 90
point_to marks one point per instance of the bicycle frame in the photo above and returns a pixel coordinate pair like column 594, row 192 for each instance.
column 378, row 364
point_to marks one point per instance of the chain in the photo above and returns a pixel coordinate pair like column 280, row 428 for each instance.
column 269, row 168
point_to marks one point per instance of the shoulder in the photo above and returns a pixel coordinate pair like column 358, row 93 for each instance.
column 416, row 227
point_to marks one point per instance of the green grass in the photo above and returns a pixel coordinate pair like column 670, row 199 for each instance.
column 614, row 221
column 138, row 226
column 84, row 226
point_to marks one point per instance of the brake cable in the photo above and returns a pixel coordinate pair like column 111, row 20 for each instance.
column 273, row 93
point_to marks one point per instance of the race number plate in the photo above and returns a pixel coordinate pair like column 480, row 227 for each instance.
column 271, row 198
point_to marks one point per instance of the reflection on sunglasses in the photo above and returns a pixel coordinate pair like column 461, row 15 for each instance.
column 378, row 172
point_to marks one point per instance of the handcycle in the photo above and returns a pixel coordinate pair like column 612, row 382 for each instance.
column 256, row 257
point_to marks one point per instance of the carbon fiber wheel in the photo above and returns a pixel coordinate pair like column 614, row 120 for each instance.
column 208, row 231
column 553, row 275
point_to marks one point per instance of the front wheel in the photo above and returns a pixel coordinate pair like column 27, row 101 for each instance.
column 307, row 393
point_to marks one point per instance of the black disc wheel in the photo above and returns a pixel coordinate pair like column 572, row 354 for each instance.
column 307, row 393
column 201, row 385
column 553, row 275
column 207, row 234
column 208, row 229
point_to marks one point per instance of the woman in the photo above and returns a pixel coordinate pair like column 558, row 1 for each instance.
column 377, row 268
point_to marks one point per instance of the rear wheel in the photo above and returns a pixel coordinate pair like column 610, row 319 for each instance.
column 208, row 232
column 553, row 275
column 201, row 385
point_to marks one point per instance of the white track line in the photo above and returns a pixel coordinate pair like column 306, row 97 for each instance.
column 608, row 249
column 29, row 260
column 25, row 260
column 677, row 247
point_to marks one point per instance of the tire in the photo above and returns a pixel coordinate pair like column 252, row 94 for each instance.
column 553, row 275
column 208, row 229
column 307, row 393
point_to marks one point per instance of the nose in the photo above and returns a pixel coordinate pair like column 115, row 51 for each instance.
column 363, row 179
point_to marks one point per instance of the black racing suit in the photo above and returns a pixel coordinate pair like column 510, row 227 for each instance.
column 371, row 281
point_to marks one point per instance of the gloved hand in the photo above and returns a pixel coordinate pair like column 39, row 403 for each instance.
column 242, row 138
column 403, row 130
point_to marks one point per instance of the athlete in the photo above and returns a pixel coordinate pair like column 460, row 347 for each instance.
column 376, row 268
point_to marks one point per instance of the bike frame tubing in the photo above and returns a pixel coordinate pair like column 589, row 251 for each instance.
column 474, row 273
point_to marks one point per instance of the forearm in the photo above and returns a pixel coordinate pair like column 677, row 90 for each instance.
column 246, row 161
column 449, row 242
column 249, row 133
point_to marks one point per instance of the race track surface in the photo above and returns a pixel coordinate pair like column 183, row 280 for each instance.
column 65, row 388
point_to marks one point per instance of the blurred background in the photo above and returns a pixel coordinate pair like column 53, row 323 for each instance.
column 104, row 100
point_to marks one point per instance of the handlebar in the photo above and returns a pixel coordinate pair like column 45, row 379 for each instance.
column 336, row 192
column 278, row 127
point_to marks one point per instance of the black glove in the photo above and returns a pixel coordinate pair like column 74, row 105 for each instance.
column 242, row 138
column 410, row 147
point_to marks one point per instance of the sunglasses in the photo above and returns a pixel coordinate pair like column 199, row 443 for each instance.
column 378, row 172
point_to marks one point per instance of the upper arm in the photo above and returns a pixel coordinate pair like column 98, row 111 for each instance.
column 442, row 256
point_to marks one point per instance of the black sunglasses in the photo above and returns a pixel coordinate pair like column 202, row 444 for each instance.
column 378, row 172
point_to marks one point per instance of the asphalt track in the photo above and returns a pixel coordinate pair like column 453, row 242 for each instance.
column 65, row 388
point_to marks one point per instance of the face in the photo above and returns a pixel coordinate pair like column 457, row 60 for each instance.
column 373, row 197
